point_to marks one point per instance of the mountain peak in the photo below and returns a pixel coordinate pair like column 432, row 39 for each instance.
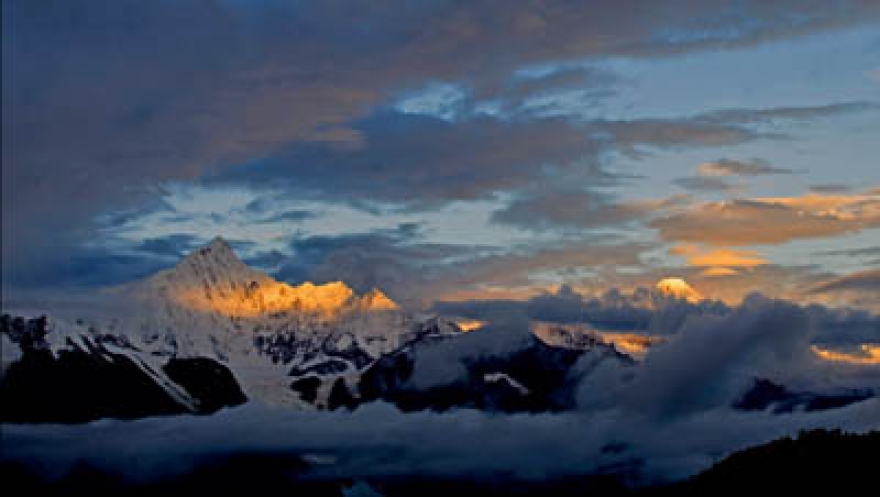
column 218, row 246
column 219, row 243
column 376, row 300
column 678, row 288
column 217, row 253
column 213, row 279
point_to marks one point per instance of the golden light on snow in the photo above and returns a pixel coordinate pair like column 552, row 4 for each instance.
column 467, row 325
column 717, row 272
column 213, row 279
column 869, row 355
column 678, row 288
column 584, row 336
column 633, row 344
column 269, row 296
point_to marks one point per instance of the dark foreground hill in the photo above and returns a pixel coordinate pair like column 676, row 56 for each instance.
column 813, row 463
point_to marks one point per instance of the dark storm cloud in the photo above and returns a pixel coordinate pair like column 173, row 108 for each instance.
column 113, row 96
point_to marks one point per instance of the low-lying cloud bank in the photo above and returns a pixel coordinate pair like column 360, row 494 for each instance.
column 666, row 417
column 378, row 441
column 649, row 311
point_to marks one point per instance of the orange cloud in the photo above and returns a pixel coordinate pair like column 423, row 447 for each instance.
column 467, row 325
column 716, row 272
column 269, row 296
column 719, row 261
column 727, row 258
column 770, row 221
column 869, row 355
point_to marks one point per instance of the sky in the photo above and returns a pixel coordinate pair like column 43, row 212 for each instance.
column 447, row 151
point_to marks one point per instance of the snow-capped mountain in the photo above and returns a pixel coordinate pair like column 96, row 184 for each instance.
column 211, row 323
column 499, row 370
column 215, row 305
column 269, row 334
column 580, row 336
column 213, row 279
column 94, row 376
column 679, row 289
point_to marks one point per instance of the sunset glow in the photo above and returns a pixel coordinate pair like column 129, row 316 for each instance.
column 270, row 297
column 869, row 355
column 479, row 247
column 634, row 344
column 678, row 288
column 467, row 325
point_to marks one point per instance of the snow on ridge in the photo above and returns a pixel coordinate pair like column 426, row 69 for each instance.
column 213, row 305
column 213, row 279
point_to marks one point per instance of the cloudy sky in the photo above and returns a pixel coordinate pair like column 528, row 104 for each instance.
column 447, row 150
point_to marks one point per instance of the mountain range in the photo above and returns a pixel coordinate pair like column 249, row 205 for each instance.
column 210, row 317
column 211, row 332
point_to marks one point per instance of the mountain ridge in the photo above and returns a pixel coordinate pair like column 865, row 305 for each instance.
column 268, row 333
column 213, row 279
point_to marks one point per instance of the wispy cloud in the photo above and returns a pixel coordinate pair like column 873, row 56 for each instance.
column 718, row 261
column 769, row 221
column 729, row 167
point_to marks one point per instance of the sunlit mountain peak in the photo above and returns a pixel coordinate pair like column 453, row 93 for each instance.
column 376, row 300
column 678, row 288
column 213, row 279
